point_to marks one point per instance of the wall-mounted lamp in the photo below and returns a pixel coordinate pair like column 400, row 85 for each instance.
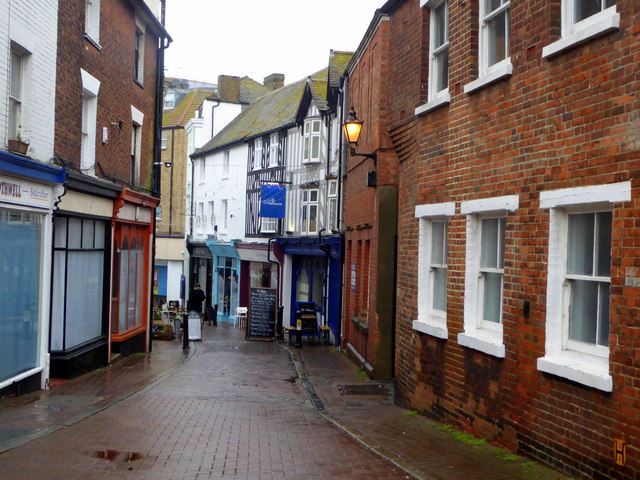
column 352, row 129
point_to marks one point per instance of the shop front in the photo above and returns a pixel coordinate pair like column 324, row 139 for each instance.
column 29, row 191
column 81, row 278
column 226, row 279
column 312, row 274
column 133, row 218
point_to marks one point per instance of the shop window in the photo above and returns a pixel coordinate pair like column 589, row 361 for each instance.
column 128, row 282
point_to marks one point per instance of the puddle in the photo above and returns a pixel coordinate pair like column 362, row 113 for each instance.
column 116, row 456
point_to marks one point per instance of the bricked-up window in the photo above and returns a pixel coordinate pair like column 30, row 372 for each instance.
column 226, row 160
column 92, row 20
column 311, row 151
column 439, row 49
column 139, row 57
column 484, row 275
column 582, row 20
column 578, row 282
column 432, row 268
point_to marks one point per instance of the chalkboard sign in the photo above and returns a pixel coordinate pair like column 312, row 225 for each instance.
column 195, row 329
column 262, row 313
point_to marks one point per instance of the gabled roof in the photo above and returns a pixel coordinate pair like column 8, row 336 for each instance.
column 318, row 90
column 184, row 111
column 269, row 113
column 338, row 62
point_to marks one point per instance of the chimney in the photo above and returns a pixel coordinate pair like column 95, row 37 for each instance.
column 274, row 81
column 229, row 88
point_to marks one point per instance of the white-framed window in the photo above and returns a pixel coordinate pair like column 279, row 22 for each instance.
column 163, row 140
column 494, row 61
column 583, row 20
column 484, row 272
column 268, row 225
column 309, row 213
column 274, row 150
column 16, row 87
column 226, row 161
column 212, row 213
column 92, row 20
column 138, row 73
column 257, row 154
column 432, row 268
column 311, row 153
column 225, row 214
column 169, row 101
column 578, row 282
column 137, row 118
column 90, row 89
column 333, row 204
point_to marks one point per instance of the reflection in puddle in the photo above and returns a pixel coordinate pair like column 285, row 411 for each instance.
column 116, row 456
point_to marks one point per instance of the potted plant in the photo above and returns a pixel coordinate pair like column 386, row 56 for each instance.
column 19, row 145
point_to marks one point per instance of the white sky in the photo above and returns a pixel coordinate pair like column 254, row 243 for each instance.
column 260, row 37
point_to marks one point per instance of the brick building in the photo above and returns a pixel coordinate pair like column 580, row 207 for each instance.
column 108, row 94
column 517, row 136
column 370, row 210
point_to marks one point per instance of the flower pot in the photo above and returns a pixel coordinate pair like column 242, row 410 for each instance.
column 18, row 147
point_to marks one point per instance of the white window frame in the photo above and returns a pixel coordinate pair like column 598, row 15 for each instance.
column 483, row 336
column 274, row 149
column 169, row 101
column 137, row 118
column 332, row 204
column 212, row 213
column 575, row 33
column 90, row 90
column 257, row 154
column 138, row 74
column 163, row 140
column 16, row 91
column 225, row 215
column 436, row 98
column 307, row 205
column 311, row 135
column 226, row 162
column 92, row 20
column 268, row 225
column 488, row 74
column 430, row 320
column 591, row 369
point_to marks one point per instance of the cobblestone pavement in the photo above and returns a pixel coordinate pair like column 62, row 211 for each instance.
column 232, row 409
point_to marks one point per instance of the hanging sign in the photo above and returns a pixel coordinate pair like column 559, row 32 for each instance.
column 272, row 201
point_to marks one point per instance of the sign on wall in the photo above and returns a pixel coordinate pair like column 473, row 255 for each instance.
column 272, row 200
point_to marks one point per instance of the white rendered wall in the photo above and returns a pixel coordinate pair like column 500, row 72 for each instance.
column 32, row 25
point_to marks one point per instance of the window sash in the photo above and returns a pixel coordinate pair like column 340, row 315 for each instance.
column 439, row 45
column 15, row 94
column 495, row 28
column 583, row 9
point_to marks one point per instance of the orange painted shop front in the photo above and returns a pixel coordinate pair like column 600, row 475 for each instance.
column 134, row 215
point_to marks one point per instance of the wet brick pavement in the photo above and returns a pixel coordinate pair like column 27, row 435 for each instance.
column 233, row 409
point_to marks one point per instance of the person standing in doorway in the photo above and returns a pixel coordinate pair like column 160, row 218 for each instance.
column 196, row 299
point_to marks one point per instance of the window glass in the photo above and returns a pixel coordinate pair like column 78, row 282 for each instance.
column 21, row 234
column 587, row 8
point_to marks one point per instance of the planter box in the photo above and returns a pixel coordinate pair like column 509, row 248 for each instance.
column 18, row 147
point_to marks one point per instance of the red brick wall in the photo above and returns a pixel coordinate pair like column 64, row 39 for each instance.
column 566, row 121
column 113, row 65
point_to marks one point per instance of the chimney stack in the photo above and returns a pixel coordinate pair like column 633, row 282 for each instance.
column 274, row 81
column 229, row 88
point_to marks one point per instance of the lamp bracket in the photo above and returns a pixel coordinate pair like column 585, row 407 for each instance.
column 372, row 156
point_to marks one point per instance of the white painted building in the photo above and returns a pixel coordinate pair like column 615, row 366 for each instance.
column 29, row 189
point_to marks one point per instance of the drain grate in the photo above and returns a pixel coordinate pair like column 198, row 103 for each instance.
column 364, row 389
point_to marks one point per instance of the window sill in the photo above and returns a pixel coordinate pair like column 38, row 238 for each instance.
column 434, row 104
column 92, row 42
column 484, row 342
column 606, row 24
column 138, row 82
column 438, row 331
column 498, row 72
column 310, row 162
column 584, row 369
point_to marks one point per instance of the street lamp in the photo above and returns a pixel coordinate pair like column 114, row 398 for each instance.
column 352, row 129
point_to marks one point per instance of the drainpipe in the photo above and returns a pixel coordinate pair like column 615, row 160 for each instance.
column 156, row 164
column 280, row 308
column 213, row 117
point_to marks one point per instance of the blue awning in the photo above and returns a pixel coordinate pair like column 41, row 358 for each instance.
column 27, row 167
column 222, row 249
column 311, row 245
